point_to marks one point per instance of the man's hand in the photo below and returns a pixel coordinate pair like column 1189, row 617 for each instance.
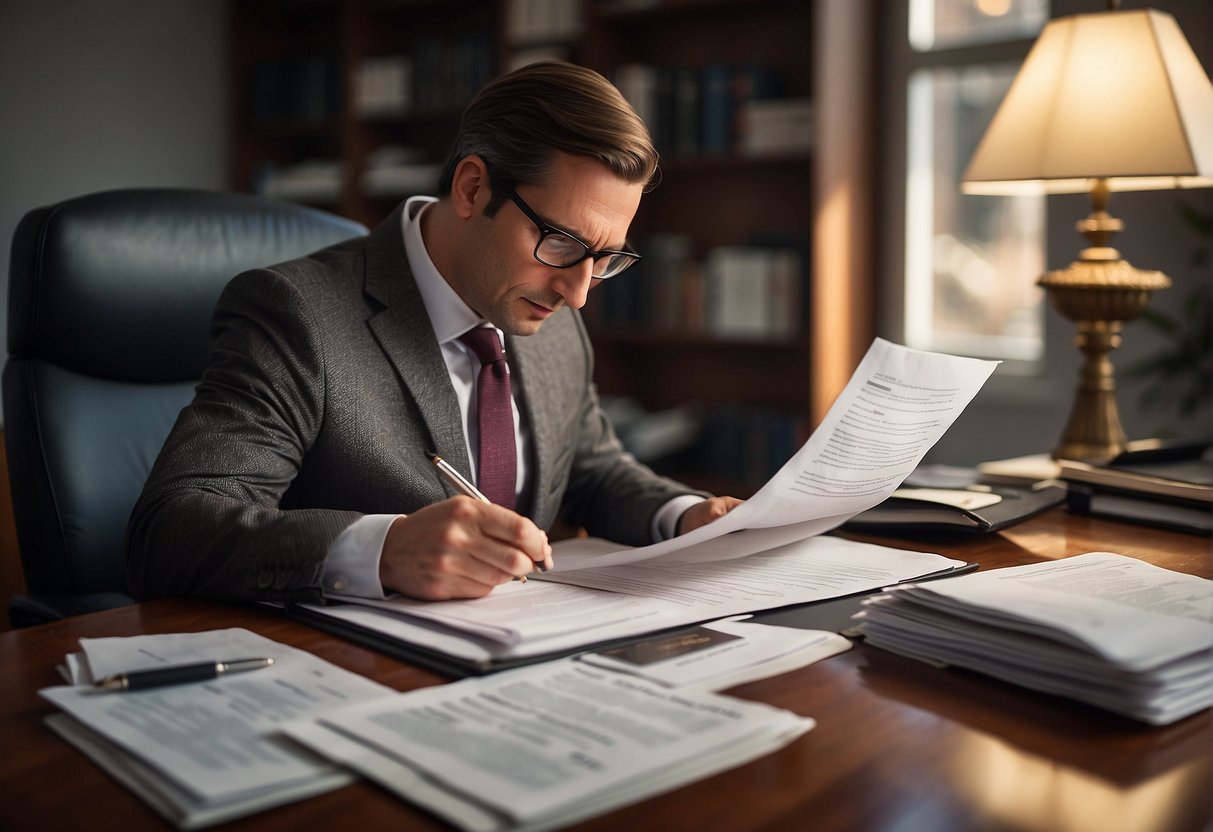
column 459, row 548
column 703, row 513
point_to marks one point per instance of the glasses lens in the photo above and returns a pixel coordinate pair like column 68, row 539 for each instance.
column 612, row 265
column 557, row 249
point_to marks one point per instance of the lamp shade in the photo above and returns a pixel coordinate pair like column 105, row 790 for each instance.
column 1115, row 95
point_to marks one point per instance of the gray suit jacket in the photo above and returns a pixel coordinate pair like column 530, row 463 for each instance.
column 326, row 387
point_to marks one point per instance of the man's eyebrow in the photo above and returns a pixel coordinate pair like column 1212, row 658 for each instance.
column 581, row 238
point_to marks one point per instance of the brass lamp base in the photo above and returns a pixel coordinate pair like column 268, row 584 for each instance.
column 1099, row 297
column 1099, row 292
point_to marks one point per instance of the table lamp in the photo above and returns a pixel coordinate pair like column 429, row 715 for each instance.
column 1108, row 101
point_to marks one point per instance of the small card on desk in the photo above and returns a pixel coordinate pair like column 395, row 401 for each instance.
column 670, row 646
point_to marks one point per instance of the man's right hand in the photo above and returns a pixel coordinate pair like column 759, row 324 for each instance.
column 460, row 548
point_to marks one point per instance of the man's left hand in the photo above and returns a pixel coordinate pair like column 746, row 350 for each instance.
column 703, row 513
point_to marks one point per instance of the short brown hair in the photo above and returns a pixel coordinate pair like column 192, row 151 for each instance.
column 517, row 120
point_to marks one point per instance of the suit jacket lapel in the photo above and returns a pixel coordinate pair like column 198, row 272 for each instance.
column 404, row 332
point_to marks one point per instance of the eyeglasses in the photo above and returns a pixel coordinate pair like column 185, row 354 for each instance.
column 561, row 250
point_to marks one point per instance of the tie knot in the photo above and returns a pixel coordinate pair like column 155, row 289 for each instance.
column 484, row 342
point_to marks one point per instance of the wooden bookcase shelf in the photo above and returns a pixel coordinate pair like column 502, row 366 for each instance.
column 299, row 65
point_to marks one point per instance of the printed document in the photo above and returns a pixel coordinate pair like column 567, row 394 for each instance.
column 543, row 616
column 206, row 752
column 545, row 746
column 897, row 405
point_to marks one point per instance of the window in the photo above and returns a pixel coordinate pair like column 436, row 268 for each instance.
column 970, row 262
column 939, row 24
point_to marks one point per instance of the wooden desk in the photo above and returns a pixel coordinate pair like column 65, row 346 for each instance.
column 898, row 745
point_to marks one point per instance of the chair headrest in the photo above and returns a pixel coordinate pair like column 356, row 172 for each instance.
column 121, row 284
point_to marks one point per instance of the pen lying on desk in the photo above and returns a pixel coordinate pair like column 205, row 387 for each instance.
column 461, row 484
column 179, row 674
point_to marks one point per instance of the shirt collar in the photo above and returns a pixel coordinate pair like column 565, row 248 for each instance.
column 449, row 315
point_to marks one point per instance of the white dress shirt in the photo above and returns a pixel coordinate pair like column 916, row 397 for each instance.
column 352, row 564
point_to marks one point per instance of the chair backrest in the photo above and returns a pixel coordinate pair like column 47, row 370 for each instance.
column 110, row 301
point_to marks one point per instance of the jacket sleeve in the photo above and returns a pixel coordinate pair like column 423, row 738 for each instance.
column 209, row 521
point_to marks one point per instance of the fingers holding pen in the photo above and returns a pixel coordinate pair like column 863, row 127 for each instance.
column 460, row 548
column 518, row 532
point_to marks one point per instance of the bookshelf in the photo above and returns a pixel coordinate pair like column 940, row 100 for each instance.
column 749, row 304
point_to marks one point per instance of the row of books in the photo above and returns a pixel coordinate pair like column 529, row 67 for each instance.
column 543, row 21
column 717, row 110
column 391, row 171
column 754, row 292
column 744, row 443
column 297, row 90
column 441, row 73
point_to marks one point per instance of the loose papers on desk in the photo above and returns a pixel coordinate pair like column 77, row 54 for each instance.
column 1102, row 628
column 543, row 617
column 204, row 753
column 545, row 746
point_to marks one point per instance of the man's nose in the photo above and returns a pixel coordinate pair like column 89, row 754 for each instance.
column 573, row 283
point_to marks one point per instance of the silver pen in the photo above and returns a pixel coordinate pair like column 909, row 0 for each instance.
column 460, row 483
column 179, row 674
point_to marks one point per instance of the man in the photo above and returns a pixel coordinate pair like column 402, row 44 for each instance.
column 303, row 465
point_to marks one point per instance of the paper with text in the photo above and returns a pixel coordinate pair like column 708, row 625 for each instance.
column 897, row 405
column 553, row 743
column 543, row 616
column 217, row 741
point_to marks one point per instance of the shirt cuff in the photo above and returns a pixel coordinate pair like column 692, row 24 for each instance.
column 665, row 521
column 352, row 564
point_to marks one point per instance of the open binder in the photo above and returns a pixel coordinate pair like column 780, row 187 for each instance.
column 905, row 511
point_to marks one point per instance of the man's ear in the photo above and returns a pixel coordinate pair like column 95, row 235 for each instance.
column 470, row 189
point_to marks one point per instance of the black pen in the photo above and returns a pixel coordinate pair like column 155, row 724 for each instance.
column 461, row 484
column 178, row 674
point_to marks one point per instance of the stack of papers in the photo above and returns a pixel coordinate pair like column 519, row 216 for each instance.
column 1101, row 628
column 546, row 746
column 204, row 753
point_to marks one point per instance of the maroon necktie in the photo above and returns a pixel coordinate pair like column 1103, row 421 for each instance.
column 498, row 464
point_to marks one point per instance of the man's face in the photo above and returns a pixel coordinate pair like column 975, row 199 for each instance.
column 496, row 272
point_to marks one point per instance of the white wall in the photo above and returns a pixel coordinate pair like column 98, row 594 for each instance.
column 98, row 94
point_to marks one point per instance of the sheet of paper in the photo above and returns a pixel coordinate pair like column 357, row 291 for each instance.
column 517, row 612
column 719, row 655
column 183, row 809
column 540, row 744
column 896, row 406
column 219, row 740
column 663, row 595
column 805, row 570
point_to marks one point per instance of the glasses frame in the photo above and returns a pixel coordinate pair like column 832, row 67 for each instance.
column 546, row 229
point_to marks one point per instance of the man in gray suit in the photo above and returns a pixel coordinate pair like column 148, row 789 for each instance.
column 303, row 464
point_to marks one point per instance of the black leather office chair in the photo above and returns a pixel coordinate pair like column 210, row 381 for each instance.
column 110, row 299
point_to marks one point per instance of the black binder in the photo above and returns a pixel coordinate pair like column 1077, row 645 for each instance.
column 897, row 515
